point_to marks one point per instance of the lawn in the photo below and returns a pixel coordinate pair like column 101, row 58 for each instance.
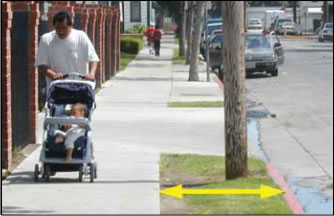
column 178, row 59
column 204, row 165
column 125, row 60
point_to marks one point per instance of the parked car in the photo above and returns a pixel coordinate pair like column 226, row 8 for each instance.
column 278, row 23
column 210, row 37
column 254, row 23
column 212, row 27
column 215, row 52
column 262, row 54
column 288, row 28
column 255, row 29
column 326, row 32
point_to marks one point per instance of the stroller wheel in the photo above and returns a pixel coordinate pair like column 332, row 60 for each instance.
column 95, row 171
column 81, row 172
column 47, row 173
column 36, row 173
column 91, row 172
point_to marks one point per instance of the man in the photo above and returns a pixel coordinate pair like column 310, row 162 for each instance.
column 66, row 50
column 149, row 33
column 157, row 39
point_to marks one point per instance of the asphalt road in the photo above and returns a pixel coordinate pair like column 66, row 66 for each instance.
column 295, row 116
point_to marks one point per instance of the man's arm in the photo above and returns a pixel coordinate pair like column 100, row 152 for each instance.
column 91, row 74
column 49, row 73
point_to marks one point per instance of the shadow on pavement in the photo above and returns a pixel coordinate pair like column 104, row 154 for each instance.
column 19, row 210
column 27, row 178
column 142, row 79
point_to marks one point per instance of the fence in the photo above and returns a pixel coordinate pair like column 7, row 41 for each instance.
column 22, row 87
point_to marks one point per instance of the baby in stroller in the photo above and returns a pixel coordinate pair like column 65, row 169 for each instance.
column 70, row 133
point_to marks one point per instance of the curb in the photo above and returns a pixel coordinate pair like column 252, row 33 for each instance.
column 289, row 196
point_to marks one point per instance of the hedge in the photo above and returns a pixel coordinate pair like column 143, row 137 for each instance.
column 131, row 45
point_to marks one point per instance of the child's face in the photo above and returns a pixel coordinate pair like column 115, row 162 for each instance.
column 77, row 113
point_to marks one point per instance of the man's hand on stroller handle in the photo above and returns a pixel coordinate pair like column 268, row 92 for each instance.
column 72, row 75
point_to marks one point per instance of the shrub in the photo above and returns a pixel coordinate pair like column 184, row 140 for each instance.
column 136, row 29
column 131, row 45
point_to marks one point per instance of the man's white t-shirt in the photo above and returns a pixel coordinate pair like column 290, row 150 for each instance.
column 68, row 55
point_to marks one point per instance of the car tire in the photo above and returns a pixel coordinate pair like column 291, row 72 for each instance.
column 321, row 40
column 274, row 73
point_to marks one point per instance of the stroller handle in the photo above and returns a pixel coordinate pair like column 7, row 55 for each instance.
column 75, row 76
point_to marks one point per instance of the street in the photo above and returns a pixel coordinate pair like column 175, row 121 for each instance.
column 296, row 128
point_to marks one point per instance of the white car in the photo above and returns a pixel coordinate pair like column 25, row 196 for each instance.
column 326, row 32
column 254, row 23
column 288, row 28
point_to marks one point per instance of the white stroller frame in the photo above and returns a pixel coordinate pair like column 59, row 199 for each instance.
column 87, row 165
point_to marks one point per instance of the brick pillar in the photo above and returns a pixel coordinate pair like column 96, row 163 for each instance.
column 118, row 36
column 6, row 110
column 58, row 6
column 109, row 42
column 83, row 11
column 91, row 23
column 84, row 19
column 113, row 42
column 98, row 45
column 33, row 72
column 103, row 43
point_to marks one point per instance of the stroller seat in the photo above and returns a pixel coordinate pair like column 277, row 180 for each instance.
column 57, row 150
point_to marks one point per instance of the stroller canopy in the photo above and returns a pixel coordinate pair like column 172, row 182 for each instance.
column 64, row 92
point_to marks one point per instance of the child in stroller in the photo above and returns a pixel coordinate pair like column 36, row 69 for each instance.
column 72, row 132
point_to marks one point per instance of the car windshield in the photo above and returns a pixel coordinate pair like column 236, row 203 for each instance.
column 218, row 39
column 211, row 28
column 329, row 25
column 256, row 42
column 288, row 24
column 284, row 20
column 254, row 22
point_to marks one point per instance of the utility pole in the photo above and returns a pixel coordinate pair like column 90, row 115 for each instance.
column 234, row 89
column 207, row 54
column 182, row 26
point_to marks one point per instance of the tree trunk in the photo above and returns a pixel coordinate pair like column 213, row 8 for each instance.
column 182, row 25
column 190, row 17
column 294, row 7
column 234, row 90
column 193, row 70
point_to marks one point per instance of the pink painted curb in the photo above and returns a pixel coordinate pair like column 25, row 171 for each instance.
column 288, row 196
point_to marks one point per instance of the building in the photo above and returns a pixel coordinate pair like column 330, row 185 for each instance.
column 138, row 12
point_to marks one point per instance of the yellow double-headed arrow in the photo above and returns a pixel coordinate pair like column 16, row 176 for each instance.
column 264, row 191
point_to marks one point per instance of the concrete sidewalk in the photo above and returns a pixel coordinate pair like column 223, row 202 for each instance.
column 132, row 125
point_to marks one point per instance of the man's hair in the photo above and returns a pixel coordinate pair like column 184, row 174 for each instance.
column 61, row 16
column 81, row 107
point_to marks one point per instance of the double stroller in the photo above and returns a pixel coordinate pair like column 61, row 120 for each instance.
column 61, row 96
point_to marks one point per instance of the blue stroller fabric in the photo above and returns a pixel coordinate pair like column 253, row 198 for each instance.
column 71, row 93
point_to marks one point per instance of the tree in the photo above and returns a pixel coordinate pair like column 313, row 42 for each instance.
column 294, row 9
column 325, row 11
column 189, row 27
column 182, row 29
column 234, row 90
column 193, row 69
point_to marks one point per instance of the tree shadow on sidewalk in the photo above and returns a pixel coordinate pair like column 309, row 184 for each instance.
column 19, row 210
column 27, row 178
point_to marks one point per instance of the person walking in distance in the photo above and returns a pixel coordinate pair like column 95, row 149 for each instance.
column 157, row 39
